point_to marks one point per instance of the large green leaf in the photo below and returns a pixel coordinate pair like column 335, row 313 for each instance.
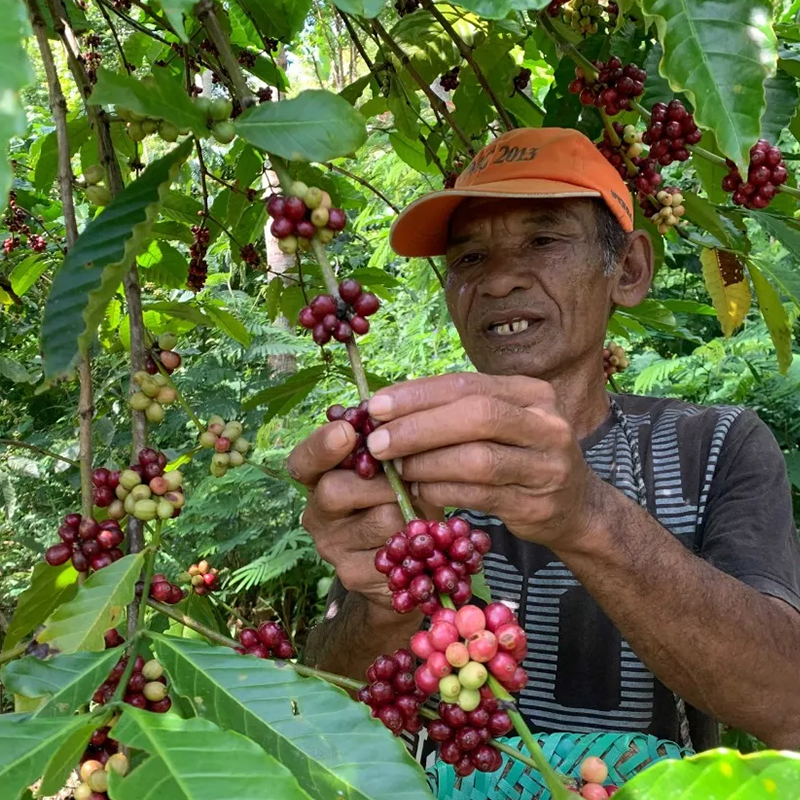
column 775, row 316
column 78, row 131
column 719, row 774
column 711, row 174
column 782, row 98
column 27, row 272
column 656, row 88
column 96, row 265
column 49, row 588
column 330, row 743
column 499, row 9
column 360, row 8
column 719, row 52
column 13, row 370
column 26, row 745
column 314, row 126
column 81, row 623
column 788, row 235
column 287, row 394
column 15, row 72
column 279, row 19
column 175, row 9
column 161, row 96
column 700, row 212
column 228, row 324
column 67, row 755
column 163, row 265
column 192, row 759
column 67, row 681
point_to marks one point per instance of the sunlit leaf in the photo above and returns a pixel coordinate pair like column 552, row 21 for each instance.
column 775, row 316
column 729, row 290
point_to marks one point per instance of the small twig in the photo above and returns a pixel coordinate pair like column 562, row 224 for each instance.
column 436, row 271
column 16, row 651
column 41, row 450
column 203, row 186
column 133, row 23
column 466, row 54
column 364, row 182
column 436, row 102
column 110, row 24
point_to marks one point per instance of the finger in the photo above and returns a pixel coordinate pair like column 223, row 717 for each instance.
column 321, row 452
column 482, row 462
column 363, row 531
column 478, row 497
column 340, row 492
column 425, row 393
column 476, row 418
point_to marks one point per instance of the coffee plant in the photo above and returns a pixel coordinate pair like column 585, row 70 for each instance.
column 182, row 201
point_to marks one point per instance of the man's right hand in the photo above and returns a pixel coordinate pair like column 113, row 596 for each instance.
column 348, row 517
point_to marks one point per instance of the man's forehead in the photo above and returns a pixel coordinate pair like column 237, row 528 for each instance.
column 475, row 215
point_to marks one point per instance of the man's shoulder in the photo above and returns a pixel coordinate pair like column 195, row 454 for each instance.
column 657, row 407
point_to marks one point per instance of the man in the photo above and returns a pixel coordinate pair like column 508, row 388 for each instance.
column 648, row 545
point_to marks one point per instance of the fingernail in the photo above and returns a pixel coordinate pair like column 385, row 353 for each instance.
column 415, row 489
column 398, row 465
column 378, row 441
column 380, row 404
column 336, row 438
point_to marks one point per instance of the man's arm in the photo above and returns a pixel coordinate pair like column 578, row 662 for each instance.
column 722, row 646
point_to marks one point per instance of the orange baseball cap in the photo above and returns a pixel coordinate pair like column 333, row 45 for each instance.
column 527, row 162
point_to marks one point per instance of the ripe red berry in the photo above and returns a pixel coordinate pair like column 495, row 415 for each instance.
column 80, row 561
column 359, row 324
column 281, row 227
column 421, row 546
column 320, row 335
column 403, row 682
column 337, row 219
column 88, row 529
column 107, row 539
column 366, row 465
column 171, row 360
column 160, row 706
column 367, row 304
column 425, row 680
column 439, row 730
column 100, row 476
column 397, row 547
column 382, row 692
column 137, row 700
column 284, row 650
column 270, row 633
column 58, row 554
column 342, row 332
column 67, row 534
column 276, row 206
column 322, row 305
column 294, row 208
column 497, row 614
column 306, row 318
column 101, row 561
column 161, row 591
column 349, row 290
column 335, row 412
column 305, row 229
column 258, row 650
column 453, row 715
column 403, row 602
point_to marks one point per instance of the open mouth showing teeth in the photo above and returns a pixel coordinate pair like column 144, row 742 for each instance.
column 509, row 328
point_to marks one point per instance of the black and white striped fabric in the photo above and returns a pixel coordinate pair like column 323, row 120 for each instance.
column 691, row 467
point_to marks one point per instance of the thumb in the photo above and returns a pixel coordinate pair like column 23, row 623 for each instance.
column 321, row 451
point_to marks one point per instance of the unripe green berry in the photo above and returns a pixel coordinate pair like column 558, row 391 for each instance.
column 241, row 445
column 154, row 691
column 450, row 688
column 221, row 109
column 236, row 458
column 168, row 132
column 216, row 419
column 121, row 492
column 288, row 245
column 93, row 174
column 319, row 217
column 141, row 492
column 197, row 580
column 153, row 669
column 469, row 699
column 150, row 387
column 218, row 470
column 130, row 504
column 145, row 510
column 149, row 126
column 98, row 195
column 154, row 413
column 135, row 131
column 118, row 762
column 174, row 479
column 167, row 341
column 208, row 440
column 325, row 235
column 88, row 768
column 160, row 380
column 166, row 396
column 98, row 781
column 231, row 431
column 313, row 197
column 82, row 792
column 164, row 509
column 221, row 459
column 128, row 478
column 203, row 104
column 139, row 401
column 223, row 132
column 473, row 675
column 298, row 189
column 139, row 376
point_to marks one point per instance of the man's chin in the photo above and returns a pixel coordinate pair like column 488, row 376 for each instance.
column 516, row 359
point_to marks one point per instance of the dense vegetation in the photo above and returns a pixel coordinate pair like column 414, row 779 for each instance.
column 375, row 104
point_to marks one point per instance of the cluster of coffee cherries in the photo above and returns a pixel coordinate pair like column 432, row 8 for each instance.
column 614, row 87
column 264, row 94
column 404, row 7
column 198, row 266
column 668, row 209
column 429, row 557
column 218, row 112
column 163, row 352
column 593, row 773
column 96, row 193
column 202, row 577
column 88, row 543
column 766, row 172
column 226, row 439
column 360, row 459
column 139, row 127
column 91, row 57
column 104, row 484
column 614, row 360
column 306, row 213
column 94, row 772
column 269, row 641
column 522, row 79
column 462, row 648
column 147, row 686
column 250, row 255
column 449, row 80
column 392, row 693
column 147, row 492
column 647, row 180
column 326, row 317
column 583, row 16
column 464, row 736
column 247, row 58
column 670, row 130
column 162, row 589
column 630, row 145
column 15, row 222
column 153, row 394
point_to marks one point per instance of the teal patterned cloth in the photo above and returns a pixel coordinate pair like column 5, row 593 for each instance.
column 625, row 754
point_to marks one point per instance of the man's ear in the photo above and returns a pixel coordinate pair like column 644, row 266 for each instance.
column 634, row 274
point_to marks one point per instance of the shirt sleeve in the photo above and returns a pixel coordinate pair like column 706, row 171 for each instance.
column 749, row 531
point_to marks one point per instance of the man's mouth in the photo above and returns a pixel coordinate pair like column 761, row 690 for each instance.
column 510, row 327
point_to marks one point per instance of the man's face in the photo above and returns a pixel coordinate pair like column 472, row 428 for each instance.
column 525, row 284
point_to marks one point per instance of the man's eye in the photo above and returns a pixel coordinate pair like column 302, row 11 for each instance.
column 467, row 258
column 542, row 241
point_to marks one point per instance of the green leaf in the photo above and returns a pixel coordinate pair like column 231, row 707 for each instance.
column 200, row 609
column 787, row 235
column 278, row 19
column 15, row 72
column 404, row 106
column 81, row 623
column 700, row 212
column 286, row 395
column 412, row 152
column 711, row 174
column 314, row 126
column 228, row 324
column 68, row 681
column 266, row 70
column 26, row 745
column 360, row 8
column 175, row 9
column 782, row 98
column 78, row 131
column 785, row 277
column 775, row 316
column 49, row 588
column 722, row 774
column 499, row 9
column 96, row 265
column 182, row 765
column 331, row 744
column 480, row 588
column 13, row 370
column 689, row 307
column 188, row 311
column 161, row 97
column 27, row 272
column 720, row 54
column 656, row 88
column 67, row 755
column 353, row 91
column 163, row 265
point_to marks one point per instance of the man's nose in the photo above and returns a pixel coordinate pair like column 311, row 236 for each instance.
column 503, row 274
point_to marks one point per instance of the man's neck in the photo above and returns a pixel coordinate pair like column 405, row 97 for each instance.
column 583, row 398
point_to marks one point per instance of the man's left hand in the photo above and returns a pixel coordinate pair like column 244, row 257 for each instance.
column 489, row 443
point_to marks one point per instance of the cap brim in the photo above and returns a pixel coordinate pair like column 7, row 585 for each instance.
column 422, row 228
